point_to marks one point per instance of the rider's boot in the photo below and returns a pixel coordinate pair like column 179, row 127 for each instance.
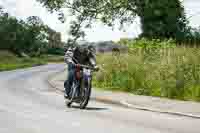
column 66, row 92
column 66, row 96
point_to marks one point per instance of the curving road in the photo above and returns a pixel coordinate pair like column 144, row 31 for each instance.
column 29, row 105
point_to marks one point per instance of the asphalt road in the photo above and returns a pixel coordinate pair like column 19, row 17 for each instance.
column 29, row 105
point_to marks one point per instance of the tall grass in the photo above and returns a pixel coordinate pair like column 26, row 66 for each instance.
column 172, row 72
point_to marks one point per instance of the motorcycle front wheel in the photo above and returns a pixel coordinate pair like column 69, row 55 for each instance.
column 86, row 92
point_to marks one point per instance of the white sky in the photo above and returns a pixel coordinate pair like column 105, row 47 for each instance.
column 24, row 8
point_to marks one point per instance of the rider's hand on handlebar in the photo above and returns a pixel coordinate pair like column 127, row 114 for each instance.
column 96, row 68
column 77, row 65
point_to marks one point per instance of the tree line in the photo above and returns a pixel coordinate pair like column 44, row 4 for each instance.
column 29, row 37
column 159, row 19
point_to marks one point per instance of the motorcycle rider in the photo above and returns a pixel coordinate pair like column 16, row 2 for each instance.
column 81, row 54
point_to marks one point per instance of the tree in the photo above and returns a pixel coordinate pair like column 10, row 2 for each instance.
column 38, row 35
column 162, row 19
column 159, row 19
column 21, row 36
column 34, row 21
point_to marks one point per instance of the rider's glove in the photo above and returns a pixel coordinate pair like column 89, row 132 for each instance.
column 77, row 66
column 96, row 68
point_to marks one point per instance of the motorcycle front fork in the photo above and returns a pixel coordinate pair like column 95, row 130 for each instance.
column 80, row 85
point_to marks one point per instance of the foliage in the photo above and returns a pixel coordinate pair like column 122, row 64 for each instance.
column 171, row 72
column 55, row 51
column 192, row 37
column 159, row 19
column 30, row 37
column 146, row 43
column 162, row 19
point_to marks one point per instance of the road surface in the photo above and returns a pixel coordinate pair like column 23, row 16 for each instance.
column 29, row 105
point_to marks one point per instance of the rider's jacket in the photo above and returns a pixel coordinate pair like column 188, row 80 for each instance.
column 74, row 55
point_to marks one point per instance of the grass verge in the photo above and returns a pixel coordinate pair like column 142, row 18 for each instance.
column 9, row 61
column 171, row 72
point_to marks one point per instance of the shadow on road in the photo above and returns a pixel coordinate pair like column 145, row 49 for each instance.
column 95, row 108
column 91, row 108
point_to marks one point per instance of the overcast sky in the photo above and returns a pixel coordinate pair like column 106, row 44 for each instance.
column 24, row 8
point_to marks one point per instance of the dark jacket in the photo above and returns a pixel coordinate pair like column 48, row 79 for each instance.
column 74, row 55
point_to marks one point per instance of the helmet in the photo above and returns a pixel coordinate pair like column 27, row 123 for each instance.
column 82, row 48
column 91, row 48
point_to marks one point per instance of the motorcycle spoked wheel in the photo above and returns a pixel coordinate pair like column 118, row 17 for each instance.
column 85, row 94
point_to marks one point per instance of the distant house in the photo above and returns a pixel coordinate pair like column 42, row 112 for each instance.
column 109, row 46
column 54, row 39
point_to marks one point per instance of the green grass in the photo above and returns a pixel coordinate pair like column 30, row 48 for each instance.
column 9, row 61
column 173, row 72
column 53, row 58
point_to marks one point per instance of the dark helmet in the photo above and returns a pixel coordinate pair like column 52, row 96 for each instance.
column 91, row 48
column 82, row 48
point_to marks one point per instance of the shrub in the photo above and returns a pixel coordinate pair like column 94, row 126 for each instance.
column 55, row 51
column 172, row 72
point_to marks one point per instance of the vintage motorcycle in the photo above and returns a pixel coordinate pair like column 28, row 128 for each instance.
column 81, row 88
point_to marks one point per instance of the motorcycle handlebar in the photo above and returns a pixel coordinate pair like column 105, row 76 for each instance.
column 88, row 67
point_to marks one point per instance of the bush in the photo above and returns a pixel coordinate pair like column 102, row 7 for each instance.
column 55, row 51
column 172, row 72
column 146, row 43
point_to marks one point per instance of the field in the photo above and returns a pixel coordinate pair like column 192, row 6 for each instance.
column 172, row 72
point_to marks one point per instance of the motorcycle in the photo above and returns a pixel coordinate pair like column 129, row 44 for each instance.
column 81, row 87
